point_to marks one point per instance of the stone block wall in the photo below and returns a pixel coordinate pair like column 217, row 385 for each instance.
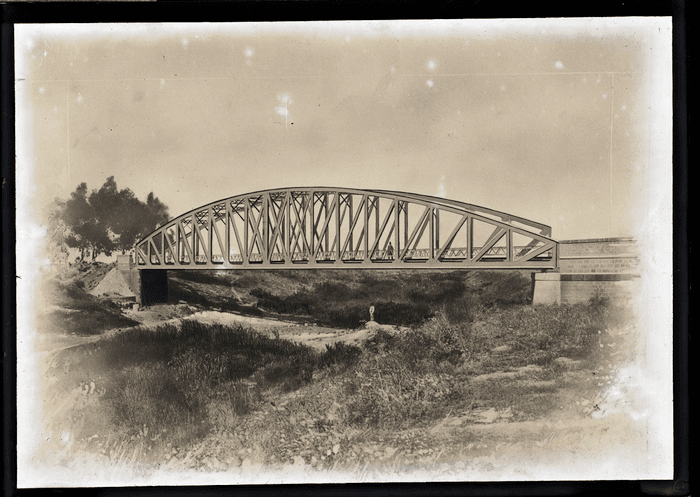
column 618, row 290
column 603, row 267
column 601, row 255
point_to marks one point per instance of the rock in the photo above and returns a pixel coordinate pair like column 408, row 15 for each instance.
column 488, row 416
column 234, row 461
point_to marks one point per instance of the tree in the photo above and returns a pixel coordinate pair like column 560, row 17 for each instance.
column 109, row 219
column 157, row 212
column 81, row 220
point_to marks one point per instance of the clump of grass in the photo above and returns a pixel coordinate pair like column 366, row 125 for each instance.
column 567, row 330
column 182, row 374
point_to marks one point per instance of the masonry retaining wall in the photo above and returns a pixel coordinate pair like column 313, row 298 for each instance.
column 602, row 267
column 130, row 274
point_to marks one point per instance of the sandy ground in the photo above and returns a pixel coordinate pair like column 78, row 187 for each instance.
column 312, row 335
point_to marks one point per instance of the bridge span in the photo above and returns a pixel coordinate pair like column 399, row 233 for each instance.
column 320, row 227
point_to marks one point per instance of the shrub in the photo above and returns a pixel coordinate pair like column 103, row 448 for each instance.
column 339, row 353
column 347, row 316
column 380, row 341
column 95, row 316
column 297, row 303
column 437, row 290
column 401, row 314
column 333, row 291
column 388, row 393
column 506, row 288
column 147, row 395
column 277, row 372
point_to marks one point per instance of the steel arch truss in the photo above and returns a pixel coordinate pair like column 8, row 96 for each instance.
column 346, row 228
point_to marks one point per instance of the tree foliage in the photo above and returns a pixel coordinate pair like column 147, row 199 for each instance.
column 109, row 219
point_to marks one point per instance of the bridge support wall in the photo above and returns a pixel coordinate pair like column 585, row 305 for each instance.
column 130, row 274
column 604, row 267
column 149, row 285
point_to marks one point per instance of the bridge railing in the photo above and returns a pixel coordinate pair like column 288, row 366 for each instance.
column 496, row 253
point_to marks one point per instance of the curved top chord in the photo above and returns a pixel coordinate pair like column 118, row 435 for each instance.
column 323, row 227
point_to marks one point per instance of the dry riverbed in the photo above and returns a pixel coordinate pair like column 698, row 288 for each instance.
column 309, row 334
column 599, row 429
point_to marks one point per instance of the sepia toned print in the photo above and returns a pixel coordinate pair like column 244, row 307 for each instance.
column 344, row 252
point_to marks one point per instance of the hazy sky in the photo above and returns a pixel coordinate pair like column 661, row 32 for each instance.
column 557, row 121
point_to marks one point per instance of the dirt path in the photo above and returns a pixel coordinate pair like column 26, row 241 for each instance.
column 312, row 335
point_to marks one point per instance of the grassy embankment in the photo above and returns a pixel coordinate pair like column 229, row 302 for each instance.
column 342, row 298
column 147, row 397
column 74, row 311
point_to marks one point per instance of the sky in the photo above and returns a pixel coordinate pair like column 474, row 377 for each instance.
column 562, row 121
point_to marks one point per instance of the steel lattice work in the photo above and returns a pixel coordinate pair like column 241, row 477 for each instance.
column 345, row 228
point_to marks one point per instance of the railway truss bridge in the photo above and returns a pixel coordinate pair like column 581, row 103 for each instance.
column 333, row 228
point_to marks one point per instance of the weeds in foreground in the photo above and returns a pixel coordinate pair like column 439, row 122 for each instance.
column 197, row 373
column 184, row 382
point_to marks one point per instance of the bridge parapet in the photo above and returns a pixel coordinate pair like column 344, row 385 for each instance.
column 588, row 268
column 599, row 255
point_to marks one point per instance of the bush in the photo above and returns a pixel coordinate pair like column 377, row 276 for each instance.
column 148, row 395
column 388, row 393
column 192, row 373
column 437, row 290
column 332, row 291
column 340, row 354
column 298, row 303
column 506, row 288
